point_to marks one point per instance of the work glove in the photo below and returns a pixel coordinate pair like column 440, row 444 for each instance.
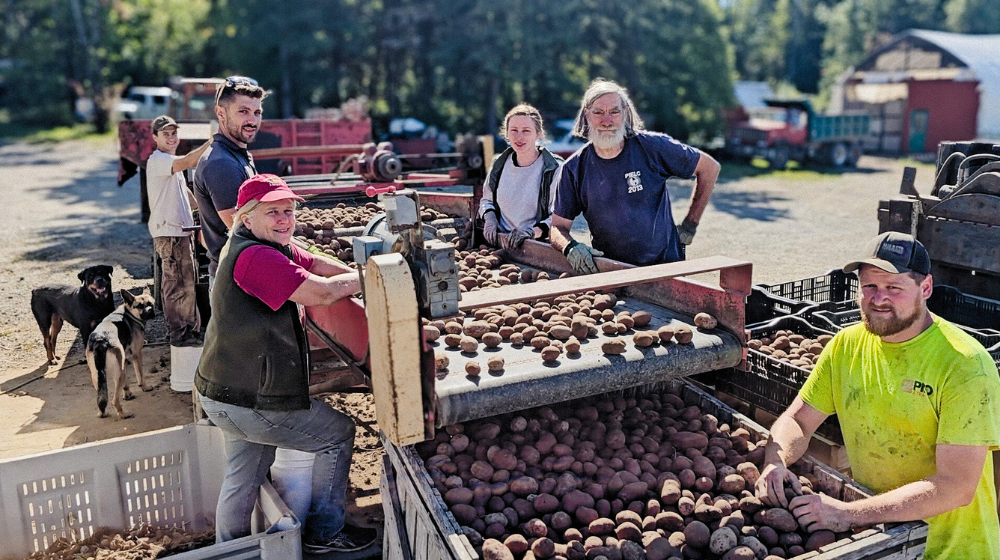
column 686, row 231
column 490, row 228
column 581, row 257
column 514, row 240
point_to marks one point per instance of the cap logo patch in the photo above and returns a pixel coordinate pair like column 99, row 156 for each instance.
column 894, row 248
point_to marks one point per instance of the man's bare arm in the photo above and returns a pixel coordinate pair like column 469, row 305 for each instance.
column 788, row 441
column 559, row 235
column 705, row 174
column 190, row 159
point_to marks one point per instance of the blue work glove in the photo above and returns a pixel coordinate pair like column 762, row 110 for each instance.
column 581, row 257
column 491, row 227
column 514, row 240
column 686, row 231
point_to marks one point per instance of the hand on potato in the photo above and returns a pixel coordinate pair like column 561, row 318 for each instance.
column 815, row 512
column 770, row 487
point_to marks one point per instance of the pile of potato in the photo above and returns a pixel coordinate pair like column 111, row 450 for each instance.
column 553, row 327
column 143, row 542
column 650, row 477
column 790, row 347
column 316, row 226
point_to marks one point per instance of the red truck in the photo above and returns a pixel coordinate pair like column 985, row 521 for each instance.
column 789, row 130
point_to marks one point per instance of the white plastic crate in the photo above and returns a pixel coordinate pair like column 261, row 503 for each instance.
column 169, row 478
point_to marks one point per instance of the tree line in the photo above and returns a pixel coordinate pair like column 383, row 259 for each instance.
column 457, row 64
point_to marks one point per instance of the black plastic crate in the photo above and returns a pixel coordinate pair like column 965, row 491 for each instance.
column 771, row 384
column 970, row 311
column 763, row 307
column 830, row 291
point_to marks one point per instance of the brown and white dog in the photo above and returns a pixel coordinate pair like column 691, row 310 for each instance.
column 117, row 341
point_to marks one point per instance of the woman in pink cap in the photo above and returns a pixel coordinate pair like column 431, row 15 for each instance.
column 253, row 378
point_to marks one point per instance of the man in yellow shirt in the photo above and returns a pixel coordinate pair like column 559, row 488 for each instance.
column 918, row 401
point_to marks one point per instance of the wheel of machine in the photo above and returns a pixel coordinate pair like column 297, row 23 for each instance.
column 839, row 154
column 777, row 157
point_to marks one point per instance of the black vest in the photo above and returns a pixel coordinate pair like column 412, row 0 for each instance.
column 253, row 357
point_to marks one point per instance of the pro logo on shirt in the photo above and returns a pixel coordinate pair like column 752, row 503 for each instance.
column 914, row 386
column 634, row 183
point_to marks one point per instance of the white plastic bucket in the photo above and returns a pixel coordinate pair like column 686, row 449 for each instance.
column 291, row 476
column 183, row 363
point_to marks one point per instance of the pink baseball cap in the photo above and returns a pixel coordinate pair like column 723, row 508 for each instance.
column 265, row 188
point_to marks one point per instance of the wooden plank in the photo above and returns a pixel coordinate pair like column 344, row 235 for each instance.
column 394, row 533
column 962, row 244
column 602, row 281
column 976, row 207
column 394, row 339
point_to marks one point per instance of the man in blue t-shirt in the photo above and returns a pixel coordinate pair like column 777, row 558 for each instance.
column 618, row 181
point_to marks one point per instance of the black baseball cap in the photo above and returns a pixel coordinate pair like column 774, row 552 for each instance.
column 894, row 252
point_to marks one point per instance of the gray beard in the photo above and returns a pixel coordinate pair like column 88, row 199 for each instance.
column 607, row 141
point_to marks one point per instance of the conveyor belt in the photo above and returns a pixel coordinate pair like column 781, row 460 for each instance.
column 528, row 382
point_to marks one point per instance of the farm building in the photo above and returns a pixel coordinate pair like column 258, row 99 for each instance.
column 925, row 87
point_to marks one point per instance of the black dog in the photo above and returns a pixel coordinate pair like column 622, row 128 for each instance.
column 82, row 306
column 117, row 341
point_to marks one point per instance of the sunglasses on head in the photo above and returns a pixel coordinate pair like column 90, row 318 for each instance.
column 231, row 83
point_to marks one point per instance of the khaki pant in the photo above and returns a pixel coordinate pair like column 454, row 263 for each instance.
column 177, row 280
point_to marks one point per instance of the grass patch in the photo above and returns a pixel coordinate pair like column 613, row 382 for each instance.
column 735, row 170
column 17, row 132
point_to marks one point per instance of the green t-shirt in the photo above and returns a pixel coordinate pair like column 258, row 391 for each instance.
column 896, row 401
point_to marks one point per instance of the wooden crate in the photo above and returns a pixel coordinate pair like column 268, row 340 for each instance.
column 419, row 525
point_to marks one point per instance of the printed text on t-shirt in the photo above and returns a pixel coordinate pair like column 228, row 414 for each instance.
column 634, row 183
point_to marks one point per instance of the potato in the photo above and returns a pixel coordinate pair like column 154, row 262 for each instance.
column 540, row 342
column 625, row 318
column 818, row 539
column 441, row 361
column 517, row 544
column 602, row 526
column 550, row 353
column 472, row 368
column 464, row 514
column 705, row 321
column 469, row 344
column 666, row 332
column 517, row 339
column 642, row 339
column 722, row 540
column 453, row 327
column 686, row 440
column 613, row 347
column 477, row 329
column 431, row 333
column 683, row 334
column 780, row 519
column 495, row 550
column 546, row 503
column 732, row 484
column 740, row 553
column 579, row 328
column 452, row 340
column 492, row 339
column 572, row 346
column 560, row 332
column 697, row 534
column 458, row 496
column 495, row 364
column 543, row 548
column 749, row 473
column 609, row 328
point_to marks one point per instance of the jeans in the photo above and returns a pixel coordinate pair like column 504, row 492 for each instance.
column 251, row 436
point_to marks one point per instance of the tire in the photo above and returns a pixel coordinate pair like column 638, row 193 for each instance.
column 854, row 154
column 777, row 157
column 838, row 154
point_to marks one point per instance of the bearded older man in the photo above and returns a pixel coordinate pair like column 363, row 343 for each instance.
column 918, row 402
column 618, row 182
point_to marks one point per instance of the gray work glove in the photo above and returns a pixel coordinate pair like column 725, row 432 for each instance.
column 686, row 231
column 514, row 240
column 491, row 227
column 581, row 257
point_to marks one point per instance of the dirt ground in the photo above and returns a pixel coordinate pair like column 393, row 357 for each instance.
column 67, row 213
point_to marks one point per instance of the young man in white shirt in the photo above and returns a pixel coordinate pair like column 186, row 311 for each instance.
column 169, row 213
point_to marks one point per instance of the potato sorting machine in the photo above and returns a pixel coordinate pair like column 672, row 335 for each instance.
column 409, row 275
